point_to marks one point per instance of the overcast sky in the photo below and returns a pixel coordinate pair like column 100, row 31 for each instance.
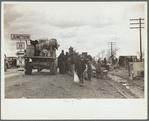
column 85, row 26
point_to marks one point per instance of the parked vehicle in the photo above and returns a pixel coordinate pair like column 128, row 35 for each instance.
column 136, row 69
column 9, row 62
column 41, row 56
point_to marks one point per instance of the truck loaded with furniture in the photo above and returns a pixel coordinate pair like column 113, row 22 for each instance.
column 41, row 54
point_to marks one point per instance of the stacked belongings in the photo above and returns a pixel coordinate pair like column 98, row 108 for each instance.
column 47, row 48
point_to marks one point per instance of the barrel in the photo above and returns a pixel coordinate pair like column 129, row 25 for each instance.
column 30, row 50
column 53, row 42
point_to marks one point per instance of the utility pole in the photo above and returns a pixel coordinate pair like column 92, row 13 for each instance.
column 111, row 43
column 140, row 33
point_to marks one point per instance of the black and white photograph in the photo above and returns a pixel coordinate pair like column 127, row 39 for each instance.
column 76, row 53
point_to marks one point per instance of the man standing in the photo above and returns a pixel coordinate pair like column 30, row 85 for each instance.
column 61, row 62
column 105, row 61
column 89, row 70
column 72, row 62
column 79, row 68
column 98, row 68
column 69, row 63
column 66, row 62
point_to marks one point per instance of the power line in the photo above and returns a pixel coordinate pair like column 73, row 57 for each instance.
column 140, row 32
column 136, row 19
column 135, row 27
column 135, row 23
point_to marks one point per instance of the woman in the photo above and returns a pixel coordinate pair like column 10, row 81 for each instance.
column 98, row 68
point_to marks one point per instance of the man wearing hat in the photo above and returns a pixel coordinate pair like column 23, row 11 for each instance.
column 61, row 62
column 79, row 68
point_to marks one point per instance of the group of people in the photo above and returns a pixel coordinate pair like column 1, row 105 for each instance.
column 65, row 62
column 68, row 63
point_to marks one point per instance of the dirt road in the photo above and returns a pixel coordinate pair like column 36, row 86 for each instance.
column 44, row 85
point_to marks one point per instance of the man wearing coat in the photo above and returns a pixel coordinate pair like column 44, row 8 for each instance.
column 66, row 62
column 61, row 62
column 98, row 68
column 89, row 70
column 79, row 68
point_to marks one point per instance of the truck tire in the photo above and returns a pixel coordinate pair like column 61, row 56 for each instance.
column 39, row 70
column 51, row 68
column 28, row 69
column 54, row 68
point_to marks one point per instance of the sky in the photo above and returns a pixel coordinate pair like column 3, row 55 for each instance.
column 86, row 26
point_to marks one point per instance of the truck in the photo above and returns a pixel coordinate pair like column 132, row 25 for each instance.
column 10, row 62
column 136, row 69
column 39, row 62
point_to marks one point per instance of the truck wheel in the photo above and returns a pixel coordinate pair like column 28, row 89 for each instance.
column 28, row 69
column 51, row 68
column 39, row 70
column 54, row 68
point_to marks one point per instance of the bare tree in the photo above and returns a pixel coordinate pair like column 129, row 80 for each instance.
column 114, row 52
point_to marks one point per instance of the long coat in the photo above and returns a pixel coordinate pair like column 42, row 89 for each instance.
column 66, row 63
column 98, row 67
column 89, row 71
column 80, row 67
column 61, row 63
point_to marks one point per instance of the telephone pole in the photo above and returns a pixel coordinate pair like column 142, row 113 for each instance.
column 112, row 43
column 140, row 32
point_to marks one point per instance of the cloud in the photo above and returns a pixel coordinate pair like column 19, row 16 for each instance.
column 85, row 26
column 65, row 16
column 10, row 14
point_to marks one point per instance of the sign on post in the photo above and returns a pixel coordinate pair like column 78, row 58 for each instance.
column 20, row 53
column 21, row 61
column 21, row 70
column 20, row 36
column 20, row 45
